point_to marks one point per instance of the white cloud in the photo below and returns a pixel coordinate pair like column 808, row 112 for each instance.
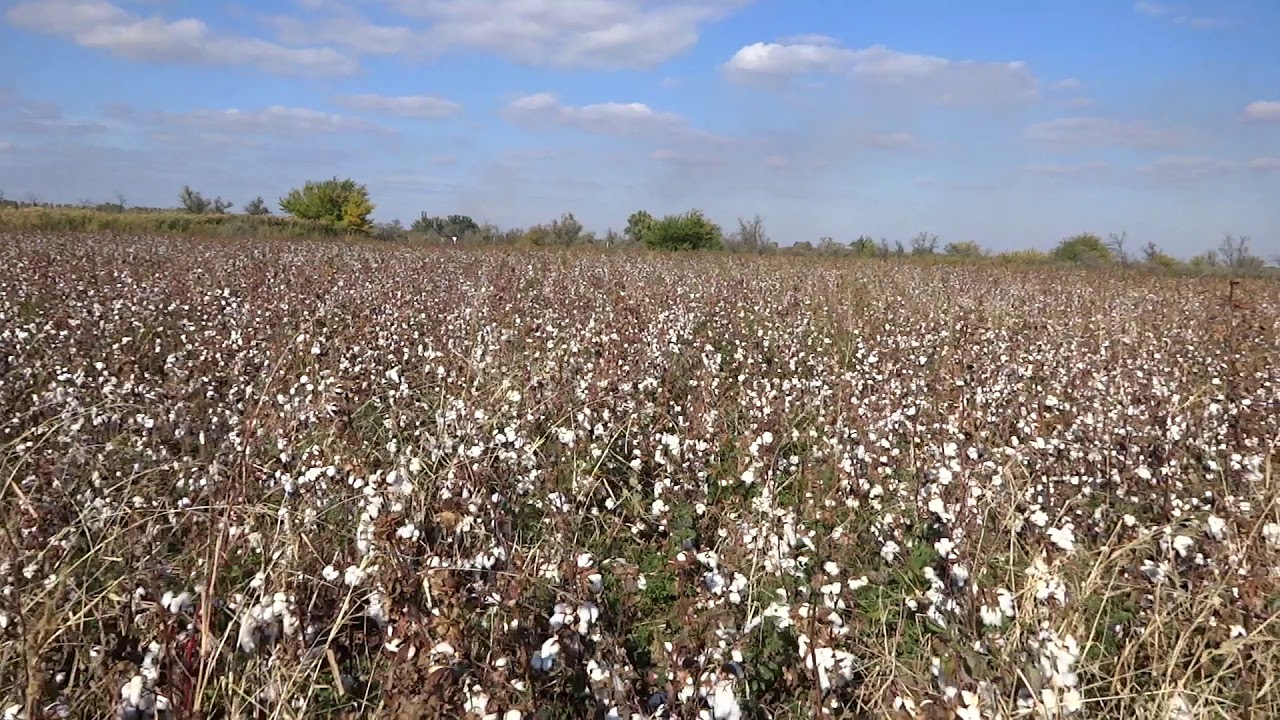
column 274, row 120
column 1086, row 131
column 1181, row 168
column 102, row 25
column 940, row 79
column 588, row 33
column 612, row 118
column 1150, row 8
column 600, row 34
column 5, row 146
column 343, row 28
column 423, row 107
column 1262, row 111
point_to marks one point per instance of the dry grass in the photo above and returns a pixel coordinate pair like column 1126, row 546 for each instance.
column 287, row 479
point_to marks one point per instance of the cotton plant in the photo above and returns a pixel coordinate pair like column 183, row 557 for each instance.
column 524, row 459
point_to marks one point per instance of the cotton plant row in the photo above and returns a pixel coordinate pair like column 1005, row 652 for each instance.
column 318, row 478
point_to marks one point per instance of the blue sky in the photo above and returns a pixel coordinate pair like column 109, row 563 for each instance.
column 1012, row 124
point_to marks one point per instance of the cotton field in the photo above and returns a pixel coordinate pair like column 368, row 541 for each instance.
column 286, row 480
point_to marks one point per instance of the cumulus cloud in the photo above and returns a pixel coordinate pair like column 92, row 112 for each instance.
column 344, row 28
column 1088, row 131
column 1262, row 111
column 102, row 25
column 600, row 34
column 611, row 118
column 940, row 79
column 423, row 107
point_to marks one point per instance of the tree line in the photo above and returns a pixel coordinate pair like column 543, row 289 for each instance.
column 345, row 206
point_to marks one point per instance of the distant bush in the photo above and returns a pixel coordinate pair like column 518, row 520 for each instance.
column 966, row 249
column 257, row 206
column 389, row 231
column 444, row 227
column 1024, row 257
column 1085, row 248
column 197, row 204
column 345, row 204
column 688, row 231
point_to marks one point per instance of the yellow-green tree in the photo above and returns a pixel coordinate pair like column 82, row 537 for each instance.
column 342, row 203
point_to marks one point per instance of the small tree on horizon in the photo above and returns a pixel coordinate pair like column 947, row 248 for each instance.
column 687, row 231
column 256, row 207
column 637, row 225
column 341, row 203
column 197, row 204
column 1085, row 248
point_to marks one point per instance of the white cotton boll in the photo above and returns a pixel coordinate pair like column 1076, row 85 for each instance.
column 247, row 638
column 587, row 614
column 176, row 603
column 890, row 551
column 1216, row 527
column 132, row 691
column 330, row 573
column 991, row 617
column 513, row 715
column 1183, row 545
column 561, row 615
column 724, row 705
column 944, row 546
column 544, row 659
column 1039, row 518
column 1063, row 537
column 353, row 576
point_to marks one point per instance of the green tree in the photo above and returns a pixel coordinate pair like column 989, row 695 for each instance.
column 864, row 246
column 197, row 204
column 924, row 244
column 750, row 237
column 967, row 248
column 445, row 227
column 637, row 225
column 1154, row 257
column 688, row 231
column 342, row 203
column 257, row 206
column 568, row 231
column 1085, row 248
